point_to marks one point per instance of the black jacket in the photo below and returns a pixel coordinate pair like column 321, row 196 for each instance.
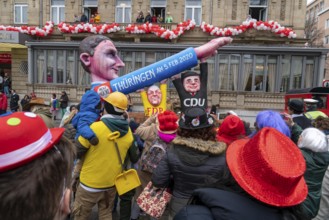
column 64, row 99
column 14, row 102
column 193, row 163
column 302, row 121
column 216, row 204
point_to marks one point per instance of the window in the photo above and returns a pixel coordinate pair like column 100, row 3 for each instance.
column 193, row 11
column 321, row 6
column 90, row 3
column 59, row 67
column 57, row 11
column 90, row 8
column 326, row 39
column 258, row 9
column 327, row 24
column 20, row 11
column 158, row 7
column 123, row 11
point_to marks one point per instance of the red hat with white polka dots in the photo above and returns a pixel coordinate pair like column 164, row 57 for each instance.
column 24, row 137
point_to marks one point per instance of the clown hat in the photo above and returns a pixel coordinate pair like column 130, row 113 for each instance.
column 24, row 138
column 269, row 167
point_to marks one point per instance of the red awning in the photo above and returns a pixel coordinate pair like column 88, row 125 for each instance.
column 5, row 58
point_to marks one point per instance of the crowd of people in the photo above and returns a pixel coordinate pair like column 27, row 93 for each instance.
column 153, row 18
column 214, row 168
column 150, row 18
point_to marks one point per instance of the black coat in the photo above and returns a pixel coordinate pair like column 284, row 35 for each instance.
column 302, row 121
column 14, row 102
column 64, row 99
column 216, row 204
column 192, row 163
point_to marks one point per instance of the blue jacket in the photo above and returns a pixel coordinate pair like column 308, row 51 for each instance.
column 87, row 115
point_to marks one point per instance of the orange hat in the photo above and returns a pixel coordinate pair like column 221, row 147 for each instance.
column 24, row 138
column 167, row 122
column 269, row 167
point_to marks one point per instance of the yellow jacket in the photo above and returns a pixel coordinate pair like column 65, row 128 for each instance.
column 101, row 163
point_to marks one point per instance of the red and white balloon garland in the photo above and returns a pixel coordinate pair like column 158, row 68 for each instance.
column 88, row 28
column 160, row 31
column 156, row 29
column 31, row 30
column 272, row 26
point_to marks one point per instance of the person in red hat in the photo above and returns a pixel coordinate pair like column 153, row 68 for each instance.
column 157, row 130
column 264, row 180
column 35, row 169
column 231, row 129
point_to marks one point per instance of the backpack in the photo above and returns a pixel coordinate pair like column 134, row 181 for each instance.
column 151, row 158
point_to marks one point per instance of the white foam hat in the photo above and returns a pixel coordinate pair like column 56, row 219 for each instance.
column 232, row 113
column 311, row 101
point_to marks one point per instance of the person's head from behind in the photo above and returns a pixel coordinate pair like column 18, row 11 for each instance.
column 196, row 123
column 99, row 57
column 154, row 95
column 191, row 81
column 116, row 103
column 322, row 123
column 295, row 106
column 272, row 119
column 313, row 139
column 269, row 155
column 35, row 169
column 231, row 129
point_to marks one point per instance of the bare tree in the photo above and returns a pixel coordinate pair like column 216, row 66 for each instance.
column 312, row 32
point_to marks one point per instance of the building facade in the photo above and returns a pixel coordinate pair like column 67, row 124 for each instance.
column 251, row 74
column 318, row 10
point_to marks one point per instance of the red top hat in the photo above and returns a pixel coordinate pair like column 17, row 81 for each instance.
column 269, row 167
column 24, row 138
column 231, row 129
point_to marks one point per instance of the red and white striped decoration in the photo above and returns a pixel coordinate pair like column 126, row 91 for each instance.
column 272, row 26
column 31, row 30
column 154, row 28
column 88, row 28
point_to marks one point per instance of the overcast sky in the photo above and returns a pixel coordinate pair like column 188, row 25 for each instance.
column 308, row 1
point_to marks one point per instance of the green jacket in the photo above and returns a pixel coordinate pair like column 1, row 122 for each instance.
column 296, row 130
column 316, row 166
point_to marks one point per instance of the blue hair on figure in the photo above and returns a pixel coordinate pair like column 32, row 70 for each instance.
column 272, row 119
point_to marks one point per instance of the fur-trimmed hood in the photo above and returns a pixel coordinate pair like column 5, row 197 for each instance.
column 211, row 147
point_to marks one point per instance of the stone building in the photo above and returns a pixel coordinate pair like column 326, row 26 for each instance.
column 251, row 74
column 317, row 13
